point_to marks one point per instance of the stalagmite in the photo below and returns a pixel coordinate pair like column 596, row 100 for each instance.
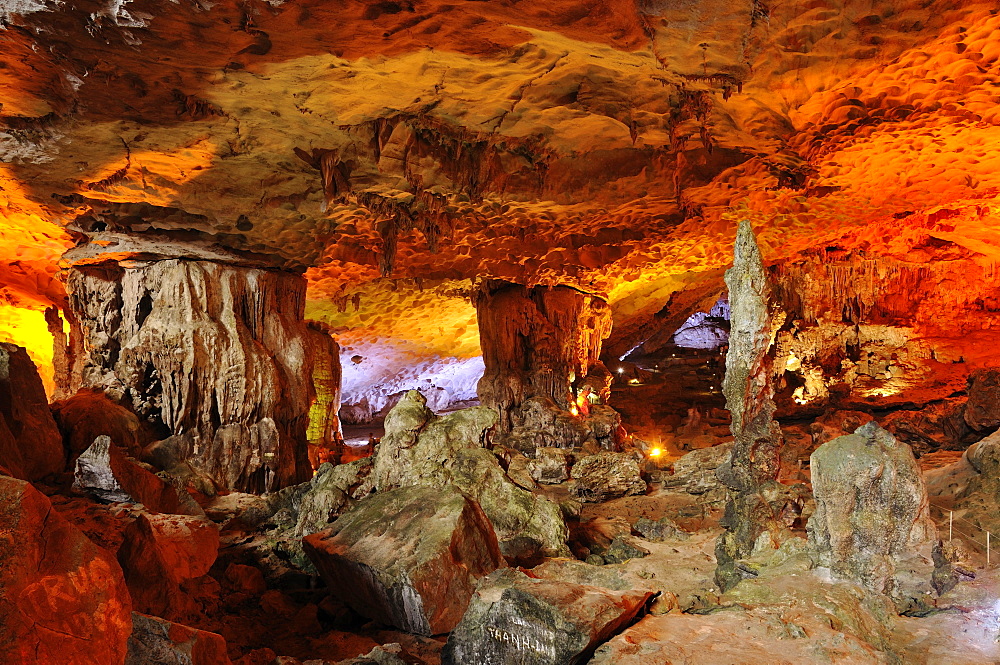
column 754, row 461
column 217, row 354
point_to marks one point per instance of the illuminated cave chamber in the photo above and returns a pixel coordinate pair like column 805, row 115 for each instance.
column 436, row 333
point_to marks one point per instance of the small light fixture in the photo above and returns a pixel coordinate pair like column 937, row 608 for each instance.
column 656, row 452
column 621, row 370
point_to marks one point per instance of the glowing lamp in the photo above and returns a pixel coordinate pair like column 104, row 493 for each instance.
column 573, row 410
column 655, row 452
column 621, row 370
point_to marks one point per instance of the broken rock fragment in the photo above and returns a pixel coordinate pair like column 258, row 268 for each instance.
column 515, row 618
column 163, row 557
column 409, row 557
column 607, row 476
column 156, row 641
column 105, row 472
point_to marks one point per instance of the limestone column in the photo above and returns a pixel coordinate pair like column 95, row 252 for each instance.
column 208, row 350
column 749, row 391
column 537, row 342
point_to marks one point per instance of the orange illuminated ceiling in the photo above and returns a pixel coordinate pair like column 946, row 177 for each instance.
column 607, row 145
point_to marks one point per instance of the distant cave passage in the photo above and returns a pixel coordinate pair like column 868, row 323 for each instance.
column 705, row 330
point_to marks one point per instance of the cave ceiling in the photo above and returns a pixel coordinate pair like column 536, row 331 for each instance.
column 398, row 150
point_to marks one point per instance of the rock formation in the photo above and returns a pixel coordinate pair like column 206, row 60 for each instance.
column 516, row 618
column 537, row 342
column 871, row 508
column 62, row 598
column 607, row 476
column 754, row 462
column 30, row 444
column 408, row 557
column 104, row 471
column 163, row 557
column 420, row 448
column 217, row 354
column 89, row 414
column 155, row 641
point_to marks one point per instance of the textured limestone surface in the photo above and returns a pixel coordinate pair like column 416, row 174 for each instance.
column 218, row 355
column 420, row 448
column 63, row 599
column 163, row 557
column 408, row 557
column 872, row 513
column 517, row 618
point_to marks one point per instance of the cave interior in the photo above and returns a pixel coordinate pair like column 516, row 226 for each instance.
column 422, row 332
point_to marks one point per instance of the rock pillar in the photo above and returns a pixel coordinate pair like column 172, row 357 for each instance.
column 748, row 387
column 215, row 353
column 537, row 342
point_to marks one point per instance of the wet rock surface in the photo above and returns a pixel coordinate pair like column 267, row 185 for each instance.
column 408, row 557
column 515, row 618
column 62, row 598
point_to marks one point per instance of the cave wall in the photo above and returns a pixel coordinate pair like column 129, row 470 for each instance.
column 877, row 331
column 537, row 342
column 217, row 354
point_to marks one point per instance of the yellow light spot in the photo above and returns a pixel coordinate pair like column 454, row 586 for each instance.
column 655, row 452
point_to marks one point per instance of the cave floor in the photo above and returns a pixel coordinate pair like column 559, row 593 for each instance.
column 792, row 612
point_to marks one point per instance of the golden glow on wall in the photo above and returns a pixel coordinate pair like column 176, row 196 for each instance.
column 27, row 328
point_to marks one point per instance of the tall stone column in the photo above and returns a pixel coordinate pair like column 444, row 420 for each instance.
column 537, row 342
column 749, row 390
column 214, row 353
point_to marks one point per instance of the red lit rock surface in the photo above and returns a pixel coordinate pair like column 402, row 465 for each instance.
column 164, row 557
column 30, row 444
column 62, row 598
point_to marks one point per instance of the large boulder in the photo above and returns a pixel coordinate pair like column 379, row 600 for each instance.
column 30, row 444
column 63, row 599
column 164, row 557
column 420, row 448
column 104, row 471
column 409, row 557
column 695, row 472
column 90, row 414
column 871, row 507
column 515, row 618
column 607, row 476
column 156, row 641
